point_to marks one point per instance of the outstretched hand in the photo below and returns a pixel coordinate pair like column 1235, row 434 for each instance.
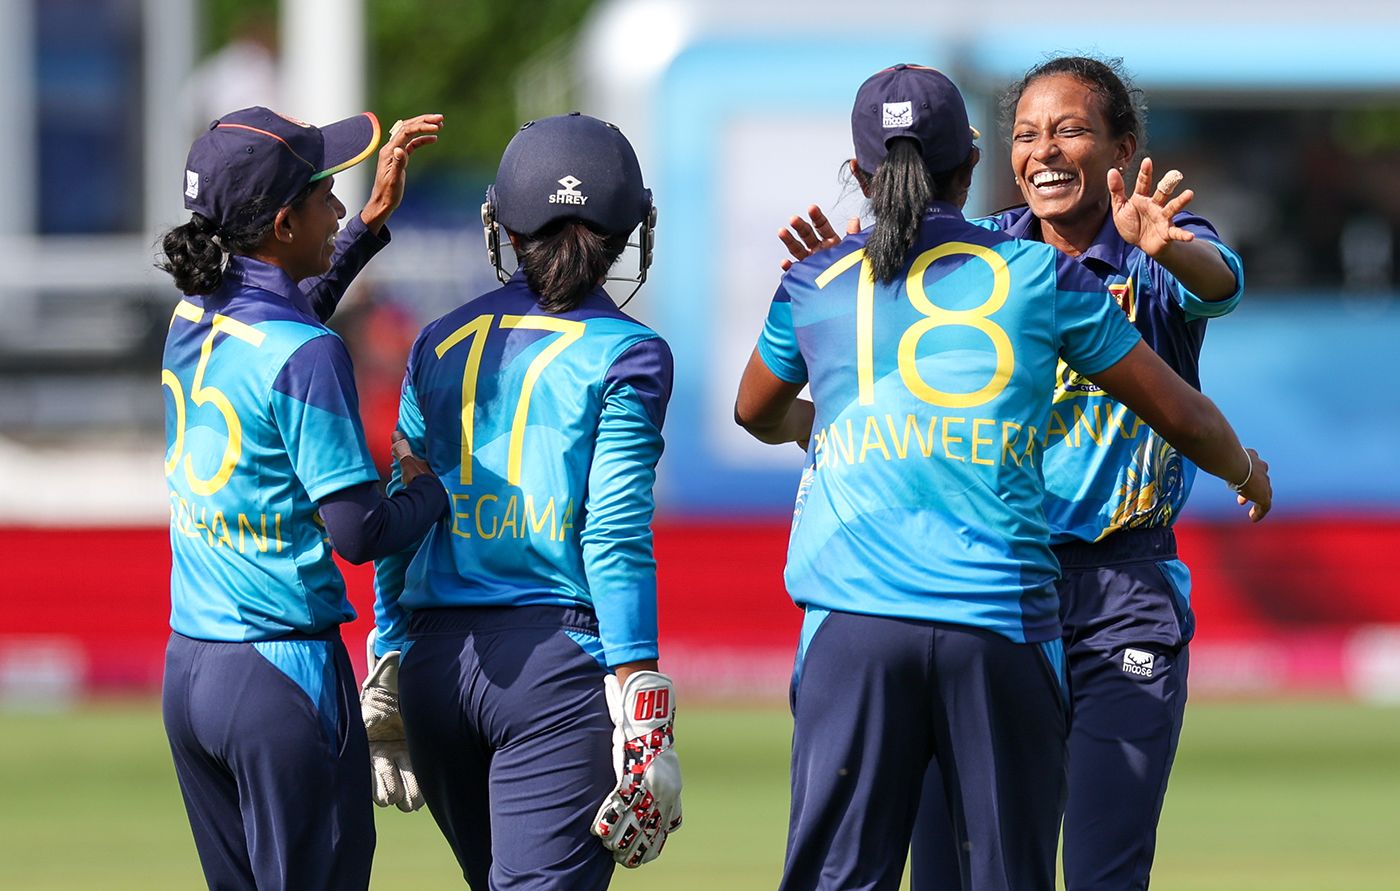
column 1144, row 218
column 405, row 138
column 803, row 239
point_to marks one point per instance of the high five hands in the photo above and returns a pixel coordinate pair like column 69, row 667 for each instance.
column 803, row 239
column 405, row 138
column 1144, row 218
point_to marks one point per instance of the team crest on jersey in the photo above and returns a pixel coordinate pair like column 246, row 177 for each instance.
column 1070, row 383
column 570, row 193
column 897, row 114
column 1138, row 662
column 191, row 184
column 1125, row 295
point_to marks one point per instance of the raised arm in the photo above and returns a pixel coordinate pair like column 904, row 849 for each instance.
column 1145, row 218
column 366, row 233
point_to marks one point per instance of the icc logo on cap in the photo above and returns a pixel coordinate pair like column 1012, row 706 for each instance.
column 191, row 184
column 897, row 114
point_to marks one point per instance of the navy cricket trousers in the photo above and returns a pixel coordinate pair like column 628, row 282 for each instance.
column 877, row 703
column 510, row 736
column 272, row 761
column 1127, row 625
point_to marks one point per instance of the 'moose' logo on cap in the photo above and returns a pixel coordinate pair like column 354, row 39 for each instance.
column 569, row 194
column 897, row 114
column 911, row 102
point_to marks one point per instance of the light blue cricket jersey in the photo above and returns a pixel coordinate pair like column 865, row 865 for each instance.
column 261, row 421
column 1105, row 469
column 546, row 429
column 923, row 493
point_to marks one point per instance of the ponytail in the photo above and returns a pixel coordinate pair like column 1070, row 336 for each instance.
column 900, row 193
column 564, row 262
column 192, row 257
column 195, row 253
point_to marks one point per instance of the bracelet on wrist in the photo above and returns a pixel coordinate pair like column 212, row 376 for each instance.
column 1238, row 488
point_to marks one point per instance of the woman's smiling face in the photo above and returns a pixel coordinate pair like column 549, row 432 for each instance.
column 317, row 221
column 1062, row 149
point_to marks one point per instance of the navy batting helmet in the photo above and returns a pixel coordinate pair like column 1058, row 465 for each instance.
column 569, row 167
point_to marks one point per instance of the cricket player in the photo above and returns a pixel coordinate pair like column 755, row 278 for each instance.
column 920, row 549
column 268, row 471
column 516, row 648
column 1114, row 488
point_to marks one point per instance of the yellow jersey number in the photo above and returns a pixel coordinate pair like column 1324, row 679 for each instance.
column 978, row 318
column 203, row 395
column 475, row 332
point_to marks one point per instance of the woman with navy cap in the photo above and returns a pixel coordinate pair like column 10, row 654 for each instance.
column 268, row 471
column 522, row 634
column 920, row 550
column 1075, row 124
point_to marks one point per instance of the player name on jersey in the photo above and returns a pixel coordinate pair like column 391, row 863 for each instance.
column 986, row 441
column 516, row 516
column 240, row 532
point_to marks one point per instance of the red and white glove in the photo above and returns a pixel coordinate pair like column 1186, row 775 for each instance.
column 635, row 819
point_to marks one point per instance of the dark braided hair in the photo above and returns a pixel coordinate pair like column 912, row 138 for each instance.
column 193, row 253
column 1123, row 105
column 901, row 190
column 564, row 261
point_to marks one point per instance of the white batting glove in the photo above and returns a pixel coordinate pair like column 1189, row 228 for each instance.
column 394, row 780
column 635, row 819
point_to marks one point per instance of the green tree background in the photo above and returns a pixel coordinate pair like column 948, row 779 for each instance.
column 459, row 57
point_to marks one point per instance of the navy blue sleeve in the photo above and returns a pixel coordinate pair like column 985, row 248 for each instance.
column 364, row 525
column 354, row 247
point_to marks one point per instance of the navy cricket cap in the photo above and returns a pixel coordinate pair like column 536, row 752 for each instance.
column 915, row 102
column 258, row 153
column 570, row 167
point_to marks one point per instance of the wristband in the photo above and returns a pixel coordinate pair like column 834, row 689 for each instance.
column 1238, row 488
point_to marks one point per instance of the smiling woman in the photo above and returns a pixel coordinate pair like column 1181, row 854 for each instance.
column 1075, row 124
column 265, row 458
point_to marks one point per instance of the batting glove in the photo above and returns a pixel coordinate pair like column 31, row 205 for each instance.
column 635, row 819
column 394, row 780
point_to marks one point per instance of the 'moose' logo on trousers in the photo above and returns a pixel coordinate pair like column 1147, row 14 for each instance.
column 655, row 703
column 1138, row 662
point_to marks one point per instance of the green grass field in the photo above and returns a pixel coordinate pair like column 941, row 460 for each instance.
column 1284, row 796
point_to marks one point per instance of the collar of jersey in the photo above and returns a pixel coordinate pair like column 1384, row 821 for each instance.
column 249, row 273
column 597, row 300
column 1108, row 246
column 944, row 210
